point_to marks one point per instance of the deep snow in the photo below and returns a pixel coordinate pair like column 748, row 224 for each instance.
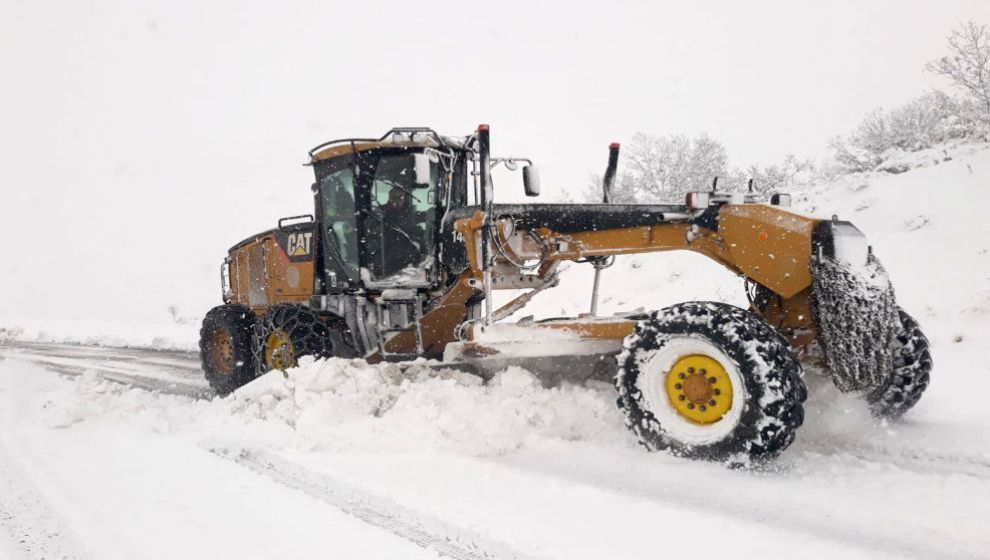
column 549, row 471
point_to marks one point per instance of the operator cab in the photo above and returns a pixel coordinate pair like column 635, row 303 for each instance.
column 380, row 204
column 386, row 207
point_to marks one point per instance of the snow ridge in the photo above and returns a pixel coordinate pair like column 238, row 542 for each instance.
column 417, row 528
column 25, row 515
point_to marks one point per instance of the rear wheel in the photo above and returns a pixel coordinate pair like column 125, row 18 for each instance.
column 910, row 376
column 289, row 331
column 225, row 347
column 710, row 381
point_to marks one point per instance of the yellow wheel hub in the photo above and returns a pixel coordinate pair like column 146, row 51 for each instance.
column 221, row 352
column 699, row 389
column 279, row 352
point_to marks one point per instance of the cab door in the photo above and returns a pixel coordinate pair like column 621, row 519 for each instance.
column 341, row 256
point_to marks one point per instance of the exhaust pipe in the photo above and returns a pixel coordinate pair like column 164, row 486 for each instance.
column 608, row 181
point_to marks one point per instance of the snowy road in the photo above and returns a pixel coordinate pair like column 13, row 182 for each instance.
column 169, row 371
column 92, row 468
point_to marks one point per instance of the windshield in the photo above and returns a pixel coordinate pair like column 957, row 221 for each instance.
column 400, row 240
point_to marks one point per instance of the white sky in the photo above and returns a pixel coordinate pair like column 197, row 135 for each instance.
column 140, row 140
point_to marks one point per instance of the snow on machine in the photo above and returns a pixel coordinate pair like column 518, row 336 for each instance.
column 405, row 247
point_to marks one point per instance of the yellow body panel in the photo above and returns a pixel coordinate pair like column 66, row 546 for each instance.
column 767, row 244
column 261, row 274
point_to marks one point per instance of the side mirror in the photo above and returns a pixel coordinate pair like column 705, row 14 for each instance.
column 531, row 180
column 421, row 164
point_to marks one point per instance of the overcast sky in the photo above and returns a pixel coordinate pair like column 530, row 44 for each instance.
column 141, row 139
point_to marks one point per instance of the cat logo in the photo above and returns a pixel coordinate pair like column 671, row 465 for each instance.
column 299, row 244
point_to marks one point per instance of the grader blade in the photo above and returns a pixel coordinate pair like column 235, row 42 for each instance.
column 586, row 361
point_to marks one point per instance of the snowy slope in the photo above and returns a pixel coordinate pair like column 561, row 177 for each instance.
column 521, row 470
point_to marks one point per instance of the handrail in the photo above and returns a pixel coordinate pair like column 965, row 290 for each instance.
column 411, row 130
column 310, row 216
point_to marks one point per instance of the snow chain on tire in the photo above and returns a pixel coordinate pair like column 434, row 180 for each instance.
column 910, row 375
column 856, row 315
column 309, row 334
column 772, row 392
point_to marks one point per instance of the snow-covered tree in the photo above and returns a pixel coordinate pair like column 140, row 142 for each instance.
column 968, row 66
column 790, row 173
column 919, row 124
column 922, row 122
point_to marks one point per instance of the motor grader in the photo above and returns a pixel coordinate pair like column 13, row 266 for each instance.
column 403, row 252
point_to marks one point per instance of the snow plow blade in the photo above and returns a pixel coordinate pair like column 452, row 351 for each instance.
column 552, row 370
column 555, row 351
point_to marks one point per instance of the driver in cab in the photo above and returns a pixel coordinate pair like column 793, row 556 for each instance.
column 402, row 230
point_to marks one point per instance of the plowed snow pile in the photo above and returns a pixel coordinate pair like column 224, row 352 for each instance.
column 348, row 404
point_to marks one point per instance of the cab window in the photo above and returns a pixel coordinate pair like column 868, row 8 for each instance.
column 340, row 222
column 402, row 222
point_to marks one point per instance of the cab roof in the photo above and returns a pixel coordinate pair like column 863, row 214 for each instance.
column 343, row 147
column 400, row 137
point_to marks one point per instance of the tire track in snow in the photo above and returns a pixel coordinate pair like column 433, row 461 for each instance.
column 32, row 524
column 421, row 530
column 181, row 363
column 692, row 494
column 129, row 379
column 919, row 461
column 139, row 368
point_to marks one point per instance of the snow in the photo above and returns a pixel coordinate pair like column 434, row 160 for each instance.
column 8, row 547
column 550, row 471
column 128, row 490
column 349, row 404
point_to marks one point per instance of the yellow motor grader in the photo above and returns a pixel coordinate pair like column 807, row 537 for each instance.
column 406, row 245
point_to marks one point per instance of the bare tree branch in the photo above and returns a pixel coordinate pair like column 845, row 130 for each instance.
column 968, row 64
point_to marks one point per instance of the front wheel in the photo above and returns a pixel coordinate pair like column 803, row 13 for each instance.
column 710, row 381
column 909, row 378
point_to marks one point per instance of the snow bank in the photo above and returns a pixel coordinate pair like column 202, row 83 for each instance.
column 352, row 404
column 349, row 404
